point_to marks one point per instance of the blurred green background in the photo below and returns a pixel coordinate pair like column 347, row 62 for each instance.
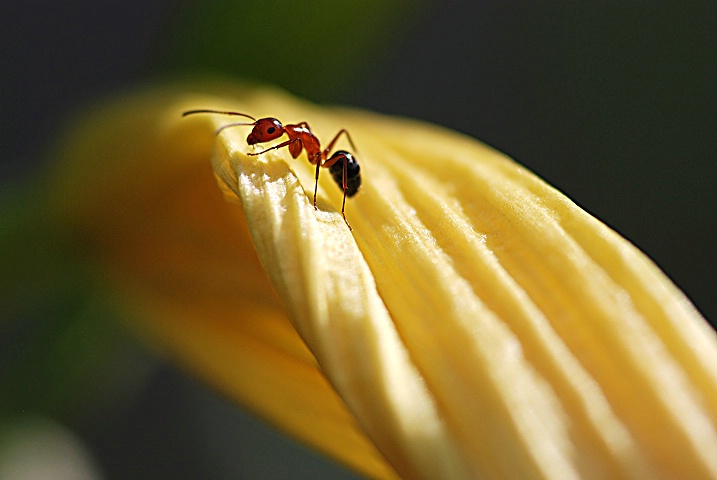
column 614, row 103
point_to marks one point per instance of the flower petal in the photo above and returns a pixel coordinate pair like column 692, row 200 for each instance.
column 534, row 295
column 521, row 319
column 332, row 298
column 475, row 322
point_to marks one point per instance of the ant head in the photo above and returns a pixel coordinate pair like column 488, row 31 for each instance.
column 265, row 130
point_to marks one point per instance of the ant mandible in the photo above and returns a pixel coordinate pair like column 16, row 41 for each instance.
column 344, row 168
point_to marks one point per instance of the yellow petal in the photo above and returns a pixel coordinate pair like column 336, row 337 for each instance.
column 476, row 323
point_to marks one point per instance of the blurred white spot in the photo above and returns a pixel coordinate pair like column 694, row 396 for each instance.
column 35, row 448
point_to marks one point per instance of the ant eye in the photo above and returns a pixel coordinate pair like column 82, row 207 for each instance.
column 271, row 130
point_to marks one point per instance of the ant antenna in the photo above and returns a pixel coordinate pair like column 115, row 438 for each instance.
column 224, row 127
column 221, row 112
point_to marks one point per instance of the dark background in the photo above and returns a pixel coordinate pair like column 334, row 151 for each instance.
column 614, row 103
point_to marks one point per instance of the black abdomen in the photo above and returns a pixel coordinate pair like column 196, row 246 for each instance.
column 353, row 172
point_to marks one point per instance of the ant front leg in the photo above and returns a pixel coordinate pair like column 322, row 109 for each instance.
column 281, row 145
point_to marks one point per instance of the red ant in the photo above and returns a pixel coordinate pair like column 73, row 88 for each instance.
column 344, row 168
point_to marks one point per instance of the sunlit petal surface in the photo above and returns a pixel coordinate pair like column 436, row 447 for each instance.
column 474, row 324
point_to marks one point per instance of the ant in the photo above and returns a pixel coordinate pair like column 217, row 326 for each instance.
column 344, row 168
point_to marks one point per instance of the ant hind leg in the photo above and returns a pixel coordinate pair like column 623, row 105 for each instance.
column 328, row 149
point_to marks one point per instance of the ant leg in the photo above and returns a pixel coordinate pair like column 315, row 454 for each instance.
column 343, row 203
column 336, row 137
column 345, row 181
column 316, row 183
column 333, row 160
column 283, row 144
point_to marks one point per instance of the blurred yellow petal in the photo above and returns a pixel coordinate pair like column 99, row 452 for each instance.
column 475, row 323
